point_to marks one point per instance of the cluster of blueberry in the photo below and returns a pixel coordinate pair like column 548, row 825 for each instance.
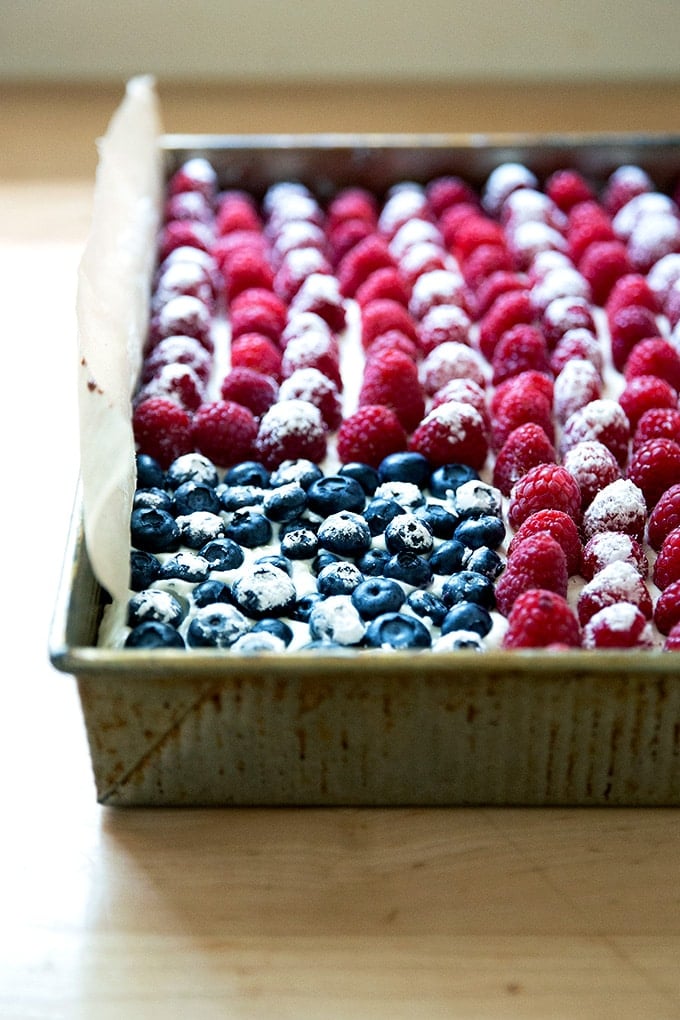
column 399, row 556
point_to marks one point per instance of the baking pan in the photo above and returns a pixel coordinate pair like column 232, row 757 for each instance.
column 515, row 728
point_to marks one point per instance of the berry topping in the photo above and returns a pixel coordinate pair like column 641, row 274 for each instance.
column 544, row 487
column 619, row 581
column 525, row 448
column 541, row 618
column 561, row 527
column 667, row 564
column 621, row 625
column 620, row 506
column 452, row 432
column 607, row 547
column 537, row 561
column 289, row 430
column 162, row 429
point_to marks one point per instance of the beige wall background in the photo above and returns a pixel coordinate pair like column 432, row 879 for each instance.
column 265, row 40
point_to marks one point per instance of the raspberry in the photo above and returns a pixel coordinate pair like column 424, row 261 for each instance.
column 443, row 323
column 657, row 423
column 617, row 582
column 672, row 642
column 392, row 340
column 644, row 392
column 296, row 234
column 528, row 205
column 162, row 429
column 383, row 283
column 467, row 391
column 563, row 282
column 195, row 174
column 182, row 316
column 253, row 350
column 224, row 432
column 502, row 181
column 295, row 268
column 291, row 430
column 564, row 314
column 521, row 348
column 352, row 203
column 612, row 547
column 625, row 183
column 452, row 433
column 452, row 219
column 245, row 268
column 578, row 384
column 628, row 326
column 519, row 406
column 532, row 383
column 654, row 356
column 604, row 420
column 667, row 564
column 180, row 279
column 525, row 448
column 236, row 212
column 665, row 517
column 404, row 202
column 440, row 287
column 544, row 263
column 303, row 324
column 663, row 276
column 593, row 466
column 567, row 188
column 257, row 311
column 577, row 343
column 180, row 350
column 178, row 383
column 345, row 235
column 541, row 618
column 561, row 528
column 621, row 625
column 544, row 487
column 537, row 561
column 654, row 467
column 443, row 192
column 485, row 261
column 448, row 361
column 226, row 247
column 602, row 264
column 500, row 282
column 369, row 435
column 188, row 205
column 320, row 295
column 419, row 260
column 620, row 506
column 631, row 289
column 392, row 380
column 529, row 239
column 312, row 385
column 360, row 261
column 474, row 231
column 381, row 315
column 313, row 349
column 667, row 609
column 653, row 237
column 181, row 234
column 587, row 224
column 250, row 388
column 508, row 310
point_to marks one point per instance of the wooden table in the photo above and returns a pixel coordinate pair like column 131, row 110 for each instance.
column 279, row 913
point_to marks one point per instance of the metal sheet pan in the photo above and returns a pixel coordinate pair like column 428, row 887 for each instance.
column 209, row 727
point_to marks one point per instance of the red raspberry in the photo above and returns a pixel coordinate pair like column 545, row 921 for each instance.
column 442, row 324
column 467, row 391
column 578, row 384
column 625, row 183
column 345, row 235
column 541, row 618
column 562, row 283
column 383, row 283
column 617, row 582
column 291, row 430
column 178, row 350
column 440, row 287
column 521, row 348
column 320, row 295
column 612, row 547
column 485, row 261
column 236, row 212
column 631, row 289
column 654, row 356
column 182, row 316
column 369, row 435
column 593, row 466
column 224, row 432
column 604, row 420
column 525, row 448
column 393, row 340
column 419, row 260
column 602, row 264
column 312, row 385
column 453, row 218
column 577, row 343
column 252, row 350
column 544, row 487
column 245, row 268
column 257, row 311
column 474, row 231
column 404, row 202
column 499, row 282
column 188, row 205
column 295, row 268
column 508, row 310
column 383, row 314
column 587, row 224
column 644, row 392
column 503, row 180
column 538, row 561
column 178, row 383
column 252, row 389
column 620, row 506
column 628, row 326
column 672, row 642
column 352, row 203
column 567, row 188
column 452, row 433
column 313, row 350
column 667, row 609
column 665, row 517
column 360, row 261
column 667, row 564
column 561, row 527
column 195, row 174
column 392, row 380
column 653, row 237
column 654, row 467
column 529, row 382
column 519, row 406
column 181, row 234
column 296, row 234
column 448, row 361
column 229, row 246
column 183, row 278
column 564, row 314
column 444, row 192
column 302, row 324
column 663, row 276
column 621, row 625
column 657, row 423
column 162, row 429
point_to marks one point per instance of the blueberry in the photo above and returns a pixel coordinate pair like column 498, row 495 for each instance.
column 238, row 497
column 145, row 568
column 249, row 528
column 442, row 522
column 486, row 530
column 211, row 591
column 191, row 496
column 249, row 473
column 300, row 544
column 285, row 503
column 449, row 557
column 154, row 530
column 378, row 595
column 264, row 590
column 336, row 619
column 475, row 498
column 155, row 604
column 372, row 563
column 304, row 521
column 150, row 475
column 380, row 512
column 406, row 494
column 157, row 499
column 345, row 533
column 272, row 625
column 216, row 626
column 199, row 528
column 255, row 643
column 339, row 578
column 222, row 554
column 364, row 474
column 322, row 559
column 405, row 467
column 408, row 533
column 469, row 586
column 154, row 634
column 303, row 472
column 333, row 493
column 410, row 568
column 468, row 616
column 191, row 467
column 303, row 607
column 459, row 641
column 427, row 605
column 185, row 566
column 274, row 560
column 447, row 479
column 397, row 630
column 485, row 561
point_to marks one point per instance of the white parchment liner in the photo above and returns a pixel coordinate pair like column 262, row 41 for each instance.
column 112, row 309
